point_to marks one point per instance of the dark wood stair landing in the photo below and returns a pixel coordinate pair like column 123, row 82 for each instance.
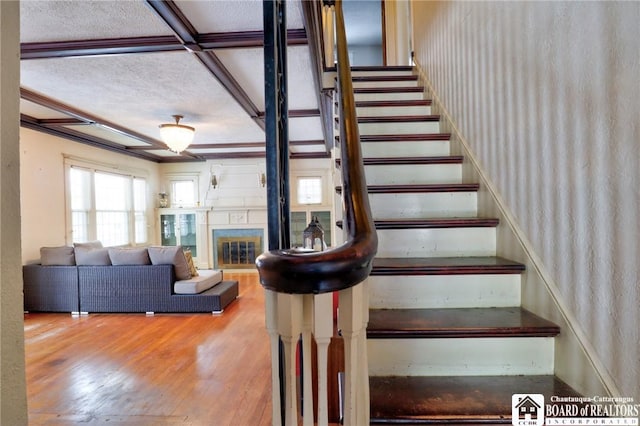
column 455, row 399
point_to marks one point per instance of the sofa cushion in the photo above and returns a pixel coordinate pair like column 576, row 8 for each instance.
column 62, row 255
column 171, row 255
column 192, row 266
column 194, row 285
column 92, row 256
column 89, row 244
column 129, row 256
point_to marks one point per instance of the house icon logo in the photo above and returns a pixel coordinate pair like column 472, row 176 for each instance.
column 527, row 409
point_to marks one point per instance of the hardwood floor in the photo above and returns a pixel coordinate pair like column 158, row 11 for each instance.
column 167, row 369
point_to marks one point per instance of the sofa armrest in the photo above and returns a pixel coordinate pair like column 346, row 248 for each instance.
column 50, row 288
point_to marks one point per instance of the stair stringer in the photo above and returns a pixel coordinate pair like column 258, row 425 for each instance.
column 576, row 361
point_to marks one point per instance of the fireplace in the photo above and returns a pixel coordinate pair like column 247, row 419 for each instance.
column 236, row 248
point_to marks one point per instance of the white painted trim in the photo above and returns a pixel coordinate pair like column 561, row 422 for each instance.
column 572, row 324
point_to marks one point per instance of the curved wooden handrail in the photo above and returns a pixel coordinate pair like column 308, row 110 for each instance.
column 288, row 271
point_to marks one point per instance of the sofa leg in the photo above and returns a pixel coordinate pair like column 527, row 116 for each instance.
column 149, row 313
column 75, row 314
column 217, row 312
column 84, row 313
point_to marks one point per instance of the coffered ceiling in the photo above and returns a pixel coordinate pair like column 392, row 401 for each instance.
column 108, row 73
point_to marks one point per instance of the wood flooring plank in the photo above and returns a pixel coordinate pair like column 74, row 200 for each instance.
column 186, row 369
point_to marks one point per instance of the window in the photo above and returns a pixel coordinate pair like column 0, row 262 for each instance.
column 140, row 210
column 183, row 193
column 183, row 189
column 309, row 190
column 108, row 207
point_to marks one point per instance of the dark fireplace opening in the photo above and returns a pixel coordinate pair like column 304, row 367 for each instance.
column 236, row 248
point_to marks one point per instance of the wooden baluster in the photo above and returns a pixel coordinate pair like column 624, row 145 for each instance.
column 271, row 321
column 350, row 322
column 307, row 373
column 323, row 331
column 363, row 387
column 290, row 327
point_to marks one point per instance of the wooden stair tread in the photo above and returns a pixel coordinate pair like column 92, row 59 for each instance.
column 419, row 188
column 448, row 222
column 394, row 103
column 445, row 266
column 374, row 161
column 399, row 119
column 406, row 138
column 374, row 78
column 455, row 400
column 408, row 89
column 382, row 68
column 458, row 322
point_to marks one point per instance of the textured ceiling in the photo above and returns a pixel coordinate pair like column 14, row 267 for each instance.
column 119, row 65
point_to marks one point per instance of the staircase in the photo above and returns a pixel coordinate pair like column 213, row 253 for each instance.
column 447, row 339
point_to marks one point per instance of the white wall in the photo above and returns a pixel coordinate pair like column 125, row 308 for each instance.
column 42, row 187
column 240, row 201
column 547, row 96
column 365, row 55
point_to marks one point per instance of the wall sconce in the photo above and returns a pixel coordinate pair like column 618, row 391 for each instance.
column 262, row 178
column 214, row 181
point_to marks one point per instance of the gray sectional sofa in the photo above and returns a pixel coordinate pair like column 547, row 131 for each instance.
column 124, row 288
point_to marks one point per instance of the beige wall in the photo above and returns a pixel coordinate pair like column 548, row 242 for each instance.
column 43, row 192
column 13, row 394
column 548, row 98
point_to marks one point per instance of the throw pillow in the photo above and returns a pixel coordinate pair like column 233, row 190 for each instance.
column 192, row 267
column 171, row 255
column 62, row 255
column 129, row 256
column 92, row 256
column 89, row 244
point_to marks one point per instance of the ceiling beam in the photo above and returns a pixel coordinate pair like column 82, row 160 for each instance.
column 32, row 123
column 82, row 117
column 171, row 14
column 120, row 46
column 108, row 46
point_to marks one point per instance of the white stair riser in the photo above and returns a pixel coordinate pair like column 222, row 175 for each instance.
column 444, row 291
column 457, row 357
column 400, row 96
column 421, row 205
column 436, row 242
column 379, row 84
column 393, row 111
column 404, row 149
column 379, row 73
column 407, row 174
column 402, row 128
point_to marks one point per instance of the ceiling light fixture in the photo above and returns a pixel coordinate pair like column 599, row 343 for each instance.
column 177, row 136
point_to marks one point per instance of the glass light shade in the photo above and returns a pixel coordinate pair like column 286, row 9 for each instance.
column 177, row 136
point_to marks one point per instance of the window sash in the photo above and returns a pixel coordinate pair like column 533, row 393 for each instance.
column 105, row 206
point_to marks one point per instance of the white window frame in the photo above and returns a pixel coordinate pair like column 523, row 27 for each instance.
column 297, row 194
column 135, row 218
column 174, row 178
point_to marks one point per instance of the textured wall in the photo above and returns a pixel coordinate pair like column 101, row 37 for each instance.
column 547, row 94
column 13, row 392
